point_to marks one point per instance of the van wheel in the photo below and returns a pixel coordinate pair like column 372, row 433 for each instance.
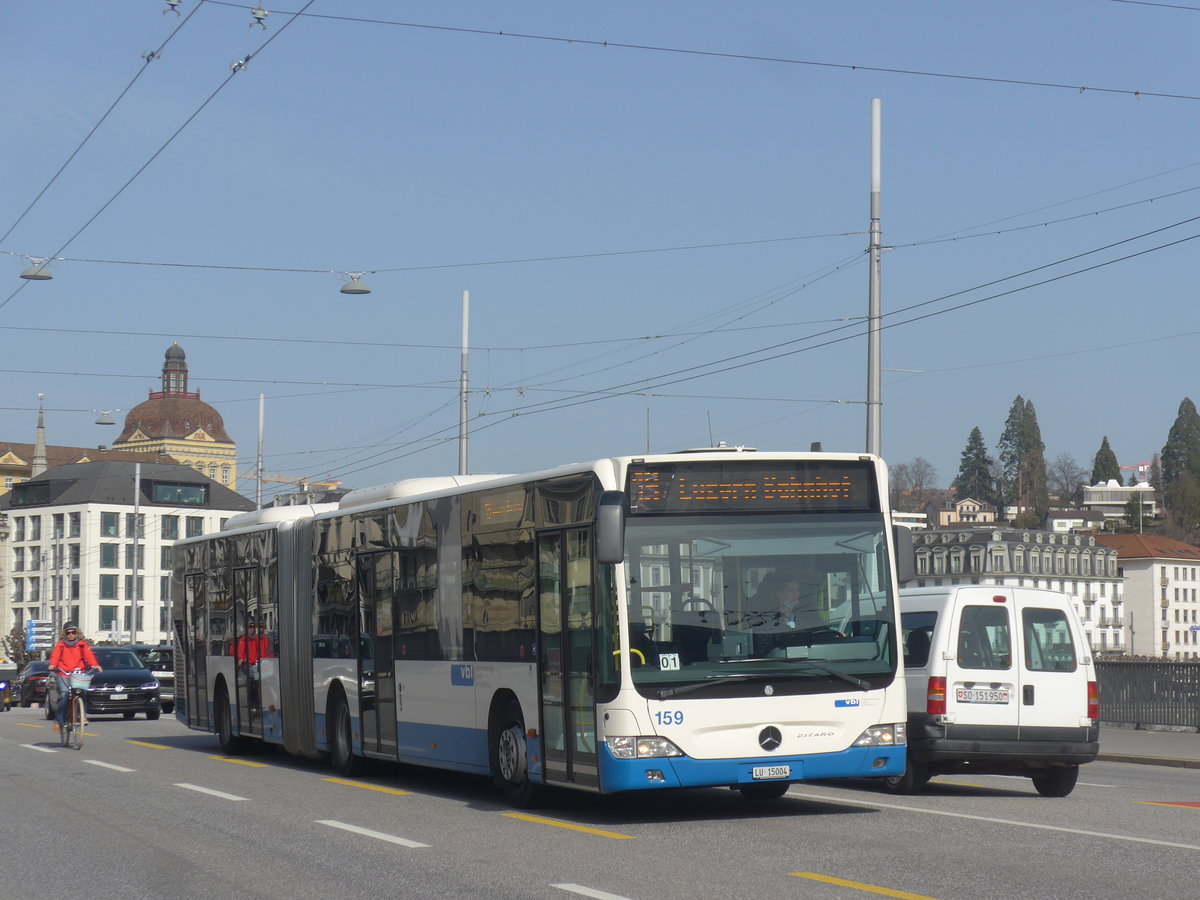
column 913, row 781
column 1057, row 782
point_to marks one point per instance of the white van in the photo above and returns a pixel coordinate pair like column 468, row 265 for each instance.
column 1000, row 682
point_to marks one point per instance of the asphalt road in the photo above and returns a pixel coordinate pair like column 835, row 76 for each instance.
column 152, row 810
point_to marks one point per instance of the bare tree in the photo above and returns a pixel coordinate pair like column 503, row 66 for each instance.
column 1065, row 479
column 910, row 484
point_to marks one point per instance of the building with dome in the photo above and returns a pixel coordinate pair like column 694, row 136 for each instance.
column 175, row 422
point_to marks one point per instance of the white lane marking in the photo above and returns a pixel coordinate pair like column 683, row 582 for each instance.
column 953, row 815
column 210, row 791
column 39, row 749
column 107, row 765
column 367, row 832
column 588, row 892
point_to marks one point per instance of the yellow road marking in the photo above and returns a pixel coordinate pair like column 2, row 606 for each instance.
column 556, row 824
column 1185, row 804
column 145, row 744
column 368, row 787
column 30, row 725
column 860, row 886
column 239, row 762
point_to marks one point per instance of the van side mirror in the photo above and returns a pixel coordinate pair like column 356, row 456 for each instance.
column 906, row 559
column 610, row 527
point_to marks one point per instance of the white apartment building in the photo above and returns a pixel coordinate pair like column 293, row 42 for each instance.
column 1162, row 582
column 91, row 543
column 1075, row 564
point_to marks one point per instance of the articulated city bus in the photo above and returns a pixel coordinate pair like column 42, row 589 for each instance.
column 609, row 626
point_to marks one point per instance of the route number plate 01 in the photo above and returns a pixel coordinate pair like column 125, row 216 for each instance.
column 761, row 772
column 976, row 695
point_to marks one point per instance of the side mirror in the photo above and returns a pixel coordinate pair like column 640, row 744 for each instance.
column 906, row 559
column 610, row 527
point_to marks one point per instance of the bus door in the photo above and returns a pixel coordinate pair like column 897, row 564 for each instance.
column 377, row 677
column 566, row 627
column 247, row 651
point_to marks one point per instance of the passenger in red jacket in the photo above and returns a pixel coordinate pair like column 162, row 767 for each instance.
column 71, row 654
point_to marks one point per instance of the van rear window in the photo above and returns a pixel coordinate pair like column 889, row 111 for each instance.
column 983, row 638
column 1049, row 646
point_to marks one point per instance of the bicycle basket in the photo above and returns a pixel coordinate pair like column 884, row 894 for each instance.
column 81, row 680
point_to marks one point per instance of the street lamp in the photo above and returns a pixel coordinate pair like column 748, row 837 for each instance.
column 37, row 271
column 355, row 285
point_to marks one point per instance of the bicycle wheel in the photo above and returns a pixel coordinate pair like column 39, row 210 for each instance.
column 64, row 734
column 77, row 723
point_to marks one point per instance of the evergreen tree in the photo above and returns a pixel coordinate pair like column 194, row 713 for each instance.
column 1105, row 465
column 975, row 470
column 1022, row 455
column 1137, row 516
column 1156, row 473
column 1181, row 454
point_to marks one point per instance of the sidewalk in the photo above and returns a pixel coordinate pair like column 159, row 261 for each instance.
column 1120, row 743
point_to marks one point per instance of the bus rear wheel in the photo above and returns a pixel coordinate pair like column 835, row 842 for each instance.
column 767, row 790
column 511, row 753
column 913, row 781
column 231, row 744
column 341, row 740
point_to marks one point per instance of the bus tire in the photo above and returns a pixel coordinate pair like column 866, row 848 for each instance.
column 913, row 781
column 767, row 790
column 341, row 739
column 231, row 744
column 511, row 752
column 1057, row 782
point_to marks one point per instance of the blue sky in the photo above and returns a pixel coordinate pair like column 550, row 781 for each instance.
column 663, row 238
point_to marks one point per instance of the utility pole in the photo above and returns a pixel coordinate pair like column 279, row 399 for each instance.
column 462, row 389
column 874, row 386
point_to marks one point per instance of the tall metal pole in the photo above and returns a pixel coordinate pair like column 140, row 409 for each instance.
column 259, row 470
column 874, row 386
column 462, row 389
column 137, row 546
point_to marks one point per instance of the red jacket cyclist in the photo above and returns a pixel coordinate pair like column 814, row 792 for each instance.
column 71, row 654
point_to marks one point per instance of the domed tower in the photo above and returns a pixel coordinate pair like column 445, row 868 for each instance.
column 177, row 422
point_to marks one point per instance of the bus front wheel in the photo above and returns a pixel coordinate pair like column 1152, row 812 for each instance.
column 231, row 744
column 512, row 760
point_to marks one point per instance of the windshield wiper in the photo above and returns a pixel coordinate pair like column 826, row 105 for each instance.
column 664, row 693
column 850, row 679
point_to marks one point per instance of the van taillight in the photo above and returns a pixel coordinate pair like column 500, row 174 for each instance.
column 935, row 697
column 1093, row 708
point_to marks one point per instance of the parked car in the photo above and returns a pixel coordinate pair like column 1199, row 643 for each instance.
column 125, row 687
column 30, row 686
column 160, row 660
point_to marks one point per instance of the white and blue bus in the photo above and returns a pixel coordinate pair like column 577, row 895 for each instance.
column 598, row 626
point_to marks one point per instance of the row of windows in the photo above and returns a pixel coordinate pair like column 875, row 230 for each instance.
column 29, row 590
column 1184, row 617
column 1049, row 562
column 107, row 618
column 69, row 557
column 1187, row 637
column 1184, row 573
column 29, row 528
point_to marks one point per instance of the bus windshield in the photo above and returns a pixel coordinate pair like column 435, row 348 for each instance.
column 804, row 602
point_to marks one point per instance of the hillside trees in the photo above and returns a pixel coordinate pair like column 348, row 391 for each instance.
column 1022, row 454
column 1181, row 467
column 974, row 477
column 1105, row 466
column 1064, row 478
column 910, row 483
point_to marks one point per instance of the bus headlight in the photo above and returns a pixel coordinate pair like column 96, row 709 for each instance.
column 642, row 747
column 884, row 736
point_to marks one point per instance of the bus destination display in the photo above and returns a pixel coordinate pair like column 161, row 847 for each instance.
column 759, row 486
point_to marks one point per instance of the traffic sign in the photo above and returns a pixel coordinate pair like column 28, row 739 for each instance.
column 39, row 634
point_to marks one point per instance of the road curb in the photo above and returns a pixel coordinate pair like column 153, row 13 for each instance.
column 1149, row 760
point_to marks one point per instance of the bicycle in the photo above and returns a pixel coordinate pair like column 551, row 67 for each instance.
column 71, row 733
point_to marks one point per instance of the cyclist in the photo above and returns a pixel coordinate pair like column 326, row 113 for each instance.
column 71, row 654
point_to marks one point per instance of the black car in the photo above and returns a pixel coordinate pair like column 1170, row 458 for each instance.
column 160, row 660
column 30, row 685
column 125, row 686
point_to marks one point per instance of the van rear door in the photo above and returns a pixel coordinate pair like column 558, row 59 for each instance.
column 1053, row 677
column 982, row 684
